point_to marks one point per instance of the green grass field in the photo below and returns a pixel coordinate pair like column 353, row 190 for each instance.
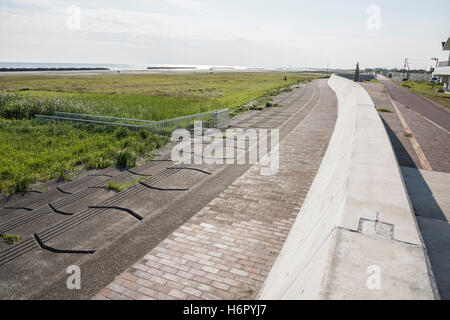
column 150, row 97
column 31, row 151
column 429, row 91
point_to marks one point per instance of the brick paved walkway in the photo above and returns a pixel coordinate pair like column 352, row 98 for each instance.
column 226, row 250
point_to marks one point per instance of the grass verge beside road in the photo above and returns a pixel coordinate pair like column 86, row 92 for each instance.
column 428, row 90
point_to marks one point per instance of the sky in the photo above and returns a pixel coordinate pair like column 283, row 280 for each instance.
column 280, row 33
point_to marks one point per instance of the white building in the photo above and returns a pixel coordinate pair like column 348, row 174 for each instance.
column 443, row 69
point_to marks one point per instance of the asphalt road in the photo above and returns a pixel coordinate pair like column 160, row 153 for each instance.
column 417, row 103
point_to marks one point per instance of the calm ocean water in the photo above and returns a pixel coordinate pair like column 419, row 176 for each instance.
column 71, row 65
column 113, row 66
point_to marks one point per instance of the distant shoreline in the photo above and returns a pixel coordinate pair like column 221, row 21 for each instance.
column 172, row 68
column 50, row 69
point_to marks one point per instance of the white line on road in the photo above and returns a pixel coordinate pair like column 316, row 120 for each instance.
column 419, row 152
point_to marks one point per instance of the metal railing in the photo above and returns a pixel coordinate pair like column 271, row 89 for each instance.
column 219, row 119
column 86, row 121
column 100, row 118
column 214, row 119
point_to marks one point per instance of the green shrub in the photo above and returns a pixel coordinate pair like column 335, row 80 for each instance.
column 126, row 159
column 384, row 109
column 122, row 133
column 10, row 238
column 407, row 134
column 21, row 183
column 144, row 134
column 116, row 186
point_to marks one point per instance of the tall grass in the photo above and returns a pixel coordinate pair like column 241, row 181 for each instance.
column 15, row 106
column 150, row 97
column 31, row 151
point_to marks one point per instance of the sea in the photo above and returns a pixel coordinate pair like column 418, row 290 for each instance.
column 115, row 66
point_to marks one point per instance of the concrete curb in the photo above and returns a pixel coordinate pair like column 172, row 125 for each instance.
column 356, row 236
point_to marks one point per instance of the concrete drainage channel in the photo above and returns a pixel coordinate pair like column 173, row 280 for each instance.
column 356, row 236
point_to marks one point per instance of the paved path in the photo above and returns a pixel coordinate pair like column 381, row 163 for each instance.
column 100, row 222
column 433, row 140
column 226, row 250
column 429, row 192
column 417, row 103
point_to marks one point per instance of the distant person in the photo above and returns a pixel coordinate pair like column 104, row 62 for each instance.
column 285, row 78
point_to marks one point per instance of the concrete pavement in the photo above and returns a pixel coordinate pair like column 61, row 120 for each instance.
column 356, row 236
column 428, row 190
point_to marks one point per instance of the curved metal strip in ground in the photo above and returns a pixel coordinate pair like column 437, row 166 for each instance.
column 193, row 169
column 212, row 158
column 59, row 211
column 29, row 244
column 100, row 175
column 131, row 212
column 45, row 247
column 139, row 174
column 62, row 191
column 160, row 189
column 18, row 208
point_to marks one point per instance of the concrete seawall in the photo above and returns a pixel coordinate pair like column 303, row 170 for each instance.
column 356, row 236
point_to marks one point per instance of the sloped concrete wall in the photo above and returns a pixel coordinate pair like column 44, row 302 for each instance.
column 356, row 236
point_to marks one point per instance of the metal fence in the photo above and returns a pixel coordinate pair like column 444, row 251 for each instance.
column 398, row 76
column 101, row 118
column 219, row 119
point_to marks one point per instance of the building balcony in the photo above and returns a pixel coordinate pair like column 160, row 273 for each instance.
column 442, row 71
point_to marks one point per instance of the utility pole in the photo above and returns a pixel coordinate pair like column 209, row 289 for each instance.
column 406, row 65
column 404, row 68
column 437, row 61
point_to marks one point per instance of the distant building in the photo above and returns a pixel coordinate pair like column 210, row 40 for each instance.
column 443, row 69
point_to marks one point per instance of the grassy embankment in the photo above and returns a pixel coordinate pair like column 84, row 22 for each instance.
column 31, row 151
column 428, row 90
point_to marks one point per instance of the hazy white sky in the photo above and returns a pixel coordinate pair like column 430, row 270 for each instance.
column 218, row 32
